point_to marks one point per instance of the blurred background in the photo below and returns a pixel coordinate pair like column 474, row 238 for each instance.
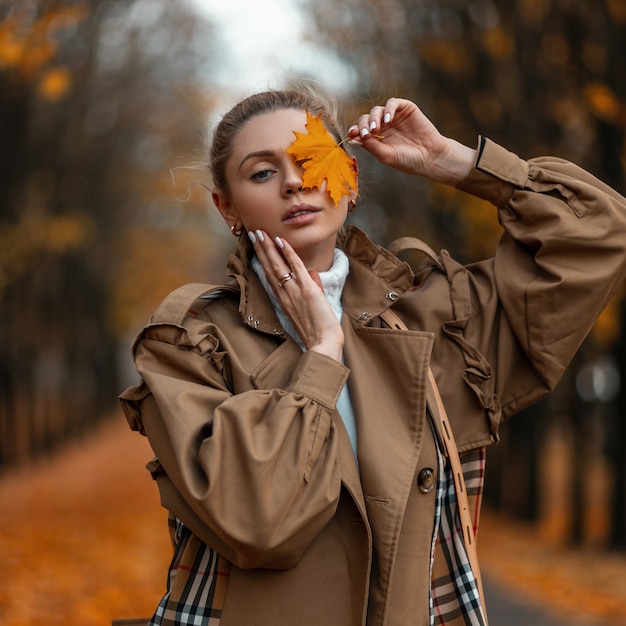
column 105, row 110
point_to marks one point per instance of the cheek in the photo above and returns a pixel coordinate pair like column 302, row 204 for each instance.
column 343, row 214
column 254, row 205
column 242, row 195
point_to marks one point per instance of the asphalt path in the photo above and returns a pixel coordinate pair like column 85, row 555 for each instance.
column 506, row 609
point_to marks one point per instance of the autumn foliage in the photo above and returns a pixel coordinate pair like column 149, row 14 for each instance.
column 30, row 47
column 96, row 223
column 84, row 539
column 324, row 161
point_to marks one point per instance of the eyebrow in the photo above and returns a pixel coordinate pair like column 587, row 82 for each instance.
column 258, row 153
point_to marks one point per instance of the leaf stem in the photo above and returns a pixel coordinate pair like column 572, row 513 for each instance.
column 348, row 139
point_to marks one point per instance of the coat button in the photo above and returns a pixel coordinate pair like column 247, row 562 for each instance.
column 426, row 479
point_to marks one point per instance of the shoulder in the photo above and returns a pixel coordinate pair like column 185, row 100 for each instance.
column 189, row 301
column 182, row 319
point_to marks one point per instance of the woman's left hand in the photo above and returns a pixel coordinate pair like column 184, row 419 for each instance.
column 399, row 135
column 300, row 295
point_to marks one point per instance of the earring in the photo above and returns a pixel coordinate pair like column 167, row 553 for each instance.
column 235, row 231
column 351, row 206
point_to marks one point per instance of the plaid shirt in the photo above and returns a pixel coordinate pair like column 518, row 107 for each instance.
column 198, row 576
column 196, row 597
column 454, row 592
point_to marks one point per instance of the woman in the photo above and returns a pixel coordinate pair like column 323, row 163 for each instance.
column 303, row 473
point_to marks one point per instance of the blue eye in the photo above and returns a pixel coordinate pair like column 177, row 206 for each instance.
column 261, row 175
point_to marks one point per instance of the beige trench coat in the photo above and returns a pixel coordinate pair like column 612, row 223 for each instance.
column 258, row 463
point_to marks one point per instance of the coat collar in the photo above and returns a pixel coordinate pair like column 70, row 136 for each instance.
column 255, row 307
column 376, row 279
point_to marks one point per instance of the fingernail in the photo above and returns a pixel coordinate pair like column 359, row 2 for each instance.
column 387, row 118
column 279, row 242
column 364, row 132
column 260, row 236
column 353, row 129
column 372, row 125
column 252, row 237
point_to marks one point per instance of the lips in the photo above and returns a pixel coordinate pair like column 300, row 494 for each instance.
column 299, row 212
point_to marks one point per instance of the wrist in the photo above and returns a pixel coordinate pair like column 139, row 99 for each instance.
column 332, row 349
column 453, row 164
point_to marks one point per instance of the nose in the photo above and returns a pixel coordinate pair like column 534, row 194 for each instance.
column 292, row 182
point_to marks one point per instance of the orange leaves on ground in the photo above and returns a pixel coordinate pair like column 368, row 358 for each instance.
column 83, row 538
column 324, row 160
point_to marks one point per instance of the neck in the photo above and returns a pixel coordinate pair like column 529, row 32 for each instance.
column 317, row 258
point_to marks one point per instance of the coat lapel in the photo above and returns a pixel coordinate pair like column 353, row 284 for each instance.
column 388, row 389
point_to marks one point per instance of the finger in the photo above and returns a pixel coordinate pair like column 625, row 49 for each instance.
column 399, row 110
column 390, row 109
column 383, row 152
column 291, row 257
column 305, row 276
column 375, row 119
column 285, row 278
column 361, row 128
column 367, row 124
column 257, row 239
column 274, row 264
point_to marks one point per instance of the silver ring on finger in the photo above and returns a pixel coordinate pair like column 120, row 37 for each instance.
column 285, row 277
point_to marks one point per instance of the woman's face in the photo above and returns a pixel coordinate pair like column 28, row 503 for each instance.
column 265, row 189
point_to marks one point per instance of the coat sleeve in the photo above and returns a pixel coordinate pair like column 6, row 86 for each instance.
column 259, row 469
column 561, row 258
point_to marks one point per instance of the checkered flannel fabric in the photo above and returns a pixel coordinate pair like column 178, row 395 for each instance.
column 455, row 599
column 197, row 597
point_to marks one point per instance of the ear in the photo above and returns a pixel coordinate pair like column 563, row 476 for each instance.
column 354, row 194
column 224, row 206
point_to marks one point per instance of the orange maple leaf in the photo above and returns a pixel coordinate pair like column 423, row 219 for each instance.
column 323, row 159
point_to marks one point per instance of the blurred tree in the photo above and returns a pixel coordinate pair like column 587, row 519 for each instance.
column 96, row 98
column 617, row 445
column 541, row 76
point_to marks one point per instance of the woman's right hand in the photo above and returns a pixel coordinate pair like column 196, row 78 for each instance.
column 300, row 294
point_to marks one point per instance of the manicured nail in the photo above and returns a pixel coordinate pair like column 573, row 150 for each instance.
column 279, row 242
column 387, row 118
column 353, row 129
column 260, row 236
column 372, row 125
column 364, row 132
column 252, row 237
